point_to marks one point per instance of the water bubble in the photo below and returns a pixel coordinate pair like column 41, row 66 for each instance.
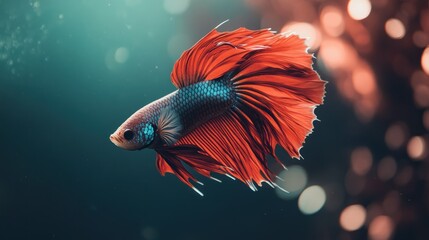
column 61, row 16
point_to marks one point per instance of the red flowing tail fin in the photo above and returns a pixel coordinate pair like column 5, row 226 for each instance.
column 277, row 92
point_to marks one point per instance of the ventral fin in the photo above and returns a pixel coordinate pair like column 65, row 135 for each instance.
column 169, row 126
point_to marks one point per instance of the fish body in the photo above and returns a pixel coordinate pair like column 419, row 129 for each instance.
column 190, row 106
column 240, row 94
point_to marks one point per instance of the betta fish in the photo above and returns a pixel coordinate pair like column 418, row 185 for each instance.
column 239, row 95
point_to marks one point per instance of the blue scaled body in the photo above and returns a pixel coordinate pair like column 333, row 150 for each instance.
column 192, row 105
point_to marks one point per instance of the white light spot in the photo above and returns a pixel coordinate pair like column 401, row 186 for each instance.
column 61, row 16
column 121, row 55
column 359, row 9
column 176, row 6
column 293, row 180
column 312, row 200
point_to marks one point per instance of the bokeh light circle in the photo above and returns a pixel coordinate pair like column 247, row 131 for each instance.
column 387, row 168
column 425, row 60
column 380, row 228
column 361, row 160
column 305, row 30
column 294, row 180
column 417, row 147
column 395, row 28
column 353, row 217
column 396, row 135
column 332, row 21
column 121, row 55
column 311, row 199
column 359, row 9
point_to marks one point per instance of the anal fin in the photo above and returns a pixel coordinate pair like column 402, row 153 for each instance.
column 171, row 159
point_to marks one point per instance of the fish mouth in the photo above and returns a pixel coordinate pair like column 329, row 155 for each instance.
column 115, row 140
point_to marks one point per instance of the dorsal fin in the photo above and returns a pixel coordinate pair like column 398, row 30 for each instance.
column 216, row 54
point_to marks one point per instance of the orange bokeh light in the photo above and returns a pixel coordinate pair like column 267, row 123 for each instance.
column 395, row 28
column 363, row 80
column 305, row 30
column 425, row 60
column 337, row 54
column 353, row 217
column 396, row 135
column 332, row 21
column 386, row 168
column 381, row 228
column 417, row 148
column 361, row 160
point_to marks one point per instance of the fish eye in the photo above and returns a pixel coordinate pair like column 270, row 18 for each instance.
column 128, row 134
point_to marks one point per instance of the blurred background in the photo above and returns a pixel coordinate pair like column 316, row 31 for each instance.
column 72, row 71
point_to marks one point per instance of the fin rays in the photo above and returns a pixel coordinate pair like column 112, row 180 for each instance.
column 169, row 126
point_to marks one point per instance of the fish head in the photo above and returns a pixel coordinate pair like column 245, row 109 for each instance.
column 134, row 136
